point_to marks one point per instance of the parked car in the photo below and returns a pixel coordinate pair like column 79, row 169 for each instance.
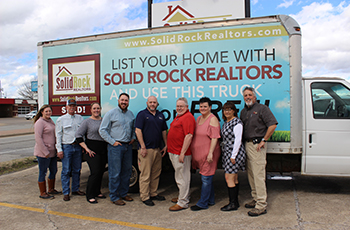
column 30, row 115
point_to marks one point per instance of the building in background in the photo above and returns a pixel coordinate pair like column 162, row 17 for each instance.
column 10, row 107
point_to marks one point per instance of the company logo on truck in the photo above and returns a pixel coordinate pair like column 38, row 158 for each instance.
column 74, row 77
column 67, row 81
column 75, row 83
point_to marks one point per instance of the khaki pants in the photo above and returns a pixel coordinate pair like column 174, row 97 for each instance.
column 150, row 168
column 182, row 178
column 256, row 168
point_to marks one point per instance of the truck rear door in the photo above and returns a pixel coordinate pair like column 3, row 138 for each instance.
column 327, row 127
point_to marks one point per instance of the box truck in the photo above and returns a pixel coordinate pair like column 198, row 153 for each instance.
column 214, row 59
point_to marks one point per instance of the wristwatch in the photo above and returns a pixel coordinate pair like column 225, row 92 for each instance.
column 263, row 140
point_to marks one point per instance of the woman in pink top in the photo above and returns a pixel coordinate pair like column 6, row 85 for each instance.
column 45, row 150
column 206, row 152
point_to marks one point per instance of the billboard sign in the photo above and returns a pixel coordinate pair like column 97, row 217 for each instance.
column 193, row 11
column 34, row 86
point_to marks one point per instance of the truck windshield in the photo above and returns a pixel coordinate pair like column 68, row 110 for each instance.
column 330, row 100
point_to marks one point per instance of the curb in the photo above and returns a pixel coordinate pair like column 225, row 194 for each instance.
column 15, row 134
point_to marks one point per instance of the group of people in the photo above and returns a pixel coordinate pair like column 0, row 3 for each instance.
column 189, row 142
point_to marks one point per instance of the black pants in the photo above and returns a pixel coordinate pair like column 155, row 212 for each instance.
column 97, row 165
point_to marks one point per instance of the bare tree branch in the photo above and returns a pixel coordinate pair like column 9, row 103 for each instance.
column 25, row 90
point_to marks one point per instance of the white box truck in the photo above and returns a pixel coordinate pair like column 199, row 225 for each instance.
column 213, row 59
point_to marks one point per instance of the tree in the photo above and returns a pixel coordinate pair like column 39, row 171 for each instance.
column 25, row 90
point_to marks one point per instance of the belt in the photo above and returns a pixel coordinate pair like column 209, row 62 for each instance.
column 256, row 140
column 124, row 143
column 75, row 142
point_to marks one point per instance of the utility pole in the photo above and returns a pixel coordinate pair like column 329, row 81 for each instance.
column 1, row 89
column 150, row 2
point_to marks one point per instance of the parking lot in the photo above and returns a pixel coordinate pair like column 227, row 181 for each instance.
column 301, row 203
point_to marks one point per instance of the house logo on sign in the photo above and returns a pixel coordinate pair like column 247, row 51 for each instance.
column 179, row 15
column 67, row 82
column 194, row 11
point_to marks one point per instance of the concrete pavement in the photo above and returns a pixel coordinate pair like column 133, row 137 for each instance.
column 302, row 203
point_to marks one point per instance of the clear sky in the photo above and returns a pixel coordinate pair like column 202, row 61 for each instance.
column 325, row 28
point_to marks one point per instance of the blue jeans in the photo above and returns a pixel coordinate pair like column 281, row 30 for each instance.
column 119, row 170
column 44, row 164
column 207, row 192
column 71, row 162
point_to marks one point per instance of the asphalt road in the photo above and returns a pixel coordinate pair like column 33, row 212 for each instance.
column 16, row 147
column 15, row 123
column 16, row 138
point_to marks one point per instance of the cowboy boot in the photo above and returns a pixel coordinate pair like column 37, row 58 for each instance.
column 42, row 188
column 52, row 190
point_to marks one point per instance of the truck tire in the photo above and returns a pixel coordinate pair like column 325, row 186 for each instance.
column 134, row 180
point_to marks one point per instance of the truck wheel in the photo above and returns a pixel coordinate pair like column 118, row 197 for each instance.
column 134, row 180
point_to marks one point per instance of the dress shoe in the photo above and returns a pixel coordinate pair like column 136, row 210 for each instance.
column 148, row 202
column 174, row 200
column 92, row 201
column 101, row 196
column 118, row 202
column 176, row 207
column 78, row 193
column 127, row 198
column 158, row 197
column 196, row 208
column 66, row 198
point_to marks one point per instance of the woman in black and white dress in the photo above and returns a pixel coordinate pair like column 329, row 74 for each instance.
column 233, row 153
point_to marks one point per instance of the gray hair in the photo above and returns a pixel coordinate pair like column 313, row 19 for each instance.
column 182, row 99
column 250, row 89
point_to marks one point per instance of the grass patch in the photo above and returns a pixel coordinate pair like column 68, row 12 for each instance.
column 17, row 165
column 280, row 136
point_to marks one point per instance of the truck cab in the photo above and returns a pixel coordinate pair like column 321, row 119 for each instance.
column 326, row 126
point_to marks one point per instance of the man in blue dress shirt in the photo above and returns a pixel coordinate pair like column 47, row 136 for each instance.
column 117, row 128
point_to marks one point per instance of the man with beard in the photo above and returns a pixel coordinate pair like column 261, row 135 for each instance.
column 68, row 150
column 179, row 141
column 117, row 128
column 150, row 129
column 258, row 125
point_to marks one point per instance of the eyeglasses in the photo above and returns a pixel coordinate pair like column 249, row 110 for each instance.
column 227, row 110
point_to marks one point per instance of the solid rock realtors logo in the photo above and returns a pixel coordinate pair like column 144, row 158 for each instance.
column 74, row 78
column 194, row 11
